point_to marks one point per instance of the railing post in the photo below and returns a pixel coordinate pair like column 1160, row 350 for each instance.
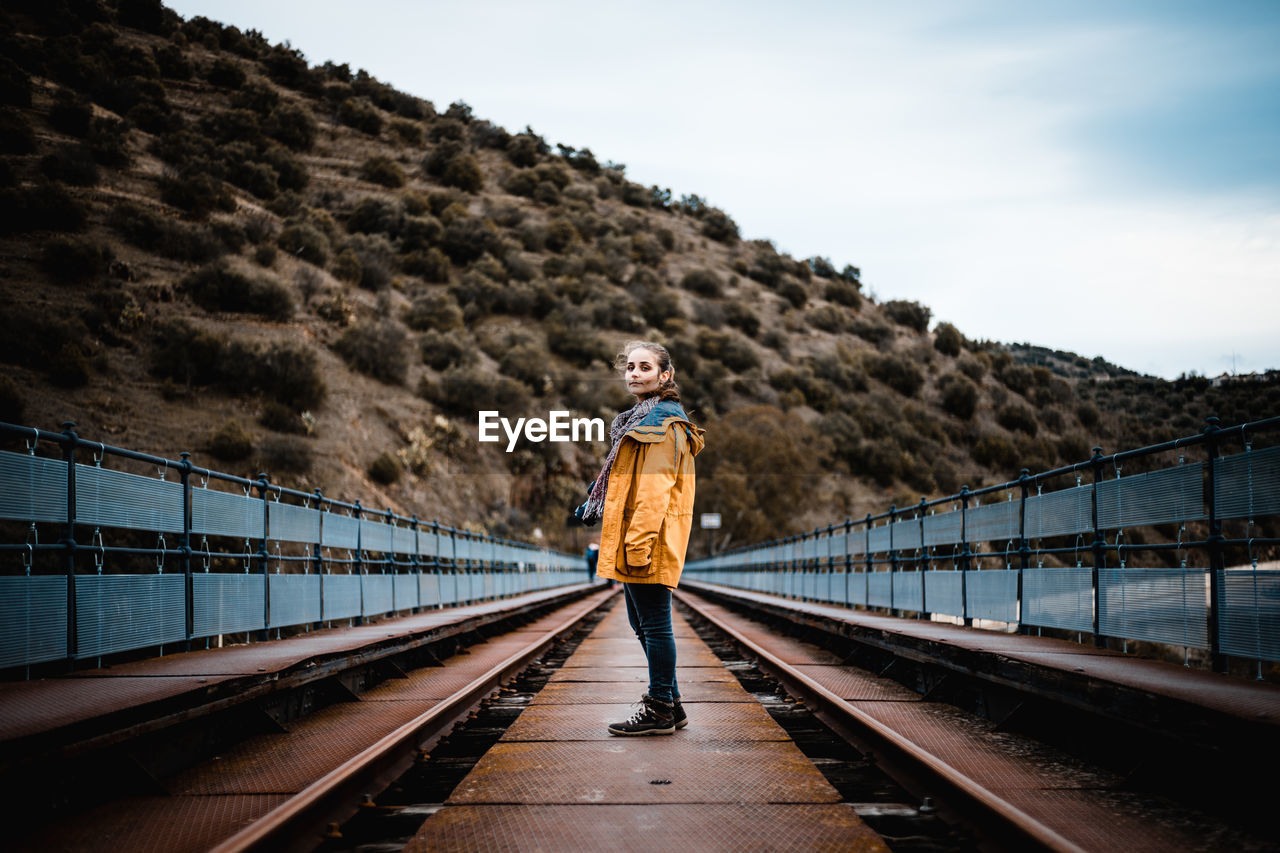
column 785, row 583
column 831, row 560
column 466, row 536
column 413, row 561
column 453, row 563
column 965, row 555
column 1099, row 550
column 798, row 567
column 359, row 563
column 69, row 440
column 185, row 546
column 317, row 555
column 805, row 566
column 264, row 487
column 389, row 557
column 435, row 529
column 923, row 567
column 1024, row 548
column 813, row 567
column 1218, row 661
column 848, row 558
column 893, row 560
column 870, row 565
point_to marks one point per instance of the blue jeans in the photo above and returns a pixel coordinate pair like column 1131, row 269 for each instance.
column 649, row 611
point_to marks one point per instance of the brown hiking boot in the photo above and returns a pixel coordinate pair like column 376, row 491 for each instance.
column 653, row 717
column 681, row 719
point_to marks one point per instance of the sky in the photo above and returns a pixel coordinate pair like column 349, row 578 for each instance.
column 1097, row 176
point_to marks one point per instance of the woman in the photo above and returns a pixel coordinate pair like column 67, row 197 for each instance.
column 644, row 499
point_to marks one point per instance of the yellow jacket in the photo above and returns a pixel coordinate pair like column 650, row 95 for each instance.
column 648, row 508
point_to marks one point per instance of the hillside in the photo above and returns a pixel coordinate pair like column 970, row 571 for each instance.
column 207, row 244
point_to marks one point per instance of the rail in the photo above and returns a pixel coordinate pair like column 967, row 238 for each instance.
column 293, row 823
column 1204, row 510
column 207, row 554
column 983, row 807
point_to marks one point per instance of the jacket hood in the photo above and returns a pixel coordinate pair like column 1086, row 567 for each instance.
column 668, row 414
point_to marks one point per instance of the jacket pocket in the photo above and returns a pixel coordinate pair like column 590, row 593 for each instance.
column 628, row 571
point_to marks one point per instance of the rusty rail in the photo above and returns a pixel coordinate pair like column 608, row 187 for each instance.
column 297, row 823
column 981, row 806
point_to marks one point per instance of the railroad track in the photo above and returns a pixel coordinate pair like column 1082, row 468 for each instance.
column 298, row 822
column 218, row 803
column 996, row 817
column 1012, row 791
column 563, row 738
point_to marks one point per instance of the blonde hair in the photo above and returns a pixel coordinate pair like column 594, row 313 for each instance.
column 667, row 390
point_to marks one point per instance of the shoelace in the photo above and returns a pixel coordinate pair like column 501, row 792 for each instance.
column 640, row 714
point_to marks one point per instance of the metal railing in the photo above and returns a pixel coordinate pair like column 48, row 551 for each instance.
column 231, row 555
column 927, row 558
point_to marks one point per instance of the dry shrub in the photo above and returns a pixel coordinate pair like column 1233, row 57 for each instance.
column 434, row 309
column 360, row 114
column 465, row 390
column 913, row 315
column 898, row 372
column 703, row 282
column 385, row 469
column 383, row 170
column 280, row 418
column 230, row 442
column 442, row 350
column 829, row 318
column 947, row 339
column 218, row 288
column 376, row 348
column 286, row 372
column 1017, row 418
column 959, row 395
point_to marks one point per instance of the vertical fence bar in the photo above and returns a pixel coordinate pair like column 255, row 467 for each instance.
column 317, row 556
column 923, row 564
column 185, row 546
column 1024, row 548
column 848, row 558
column 964, row 556
column 1217, row 659
column 893, row 560
column 466, row 535
column 453, row 559
column 800, row 566
column 870, row 565
column 435, row 562
column 413, row 561
column 359, row 564
column 389, row 557
column 68, row 542
column 831, row 560
column 264, row 488
column 1099, row 549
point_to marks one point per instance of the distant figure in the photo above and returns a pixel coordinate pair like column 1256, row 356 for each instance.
column 643, row 498
column 592, row 555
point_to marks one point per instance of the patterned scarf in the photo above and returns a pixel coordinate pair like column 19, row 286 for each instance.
column 594, row 508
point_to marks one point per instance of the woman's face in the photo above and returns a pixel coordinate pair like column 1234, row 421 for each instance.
column 642, row 373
